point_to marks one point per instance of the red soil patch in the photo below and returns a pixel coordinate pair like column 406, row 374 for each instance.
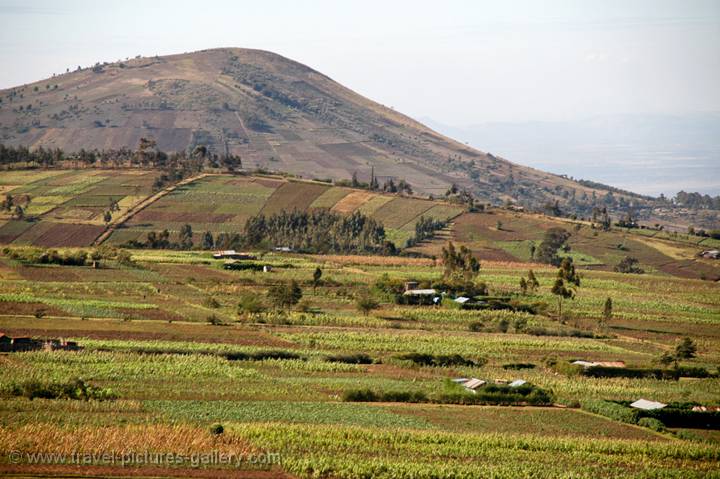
column 8, row 307
column 62, row 234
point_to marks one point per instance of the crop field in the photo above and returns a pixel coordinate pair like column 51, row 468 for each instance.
column 174, row 346
column 271, row 380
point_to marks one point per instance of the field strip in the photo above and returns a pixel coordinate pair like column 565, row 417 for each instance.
column 144, row 204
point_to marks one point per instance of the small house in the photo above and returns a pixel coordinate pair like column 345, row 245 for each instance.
column 473, row 384
column 710, row 254
column 604, row 364
column 410, row 285
column 232, row 254
column 517, row 383
column 421, row 296
column 461, row 299
column 283, row 249
column 647, row 405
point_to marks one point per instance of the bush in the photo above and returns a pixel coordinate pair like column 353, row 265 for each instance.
column 358, row 358
column 440, row 360
column 652, row 423
column 611, row 409
column 492, row 394
column 77, row 389
column 518, row 366
column 262, row 355
column 217, row 429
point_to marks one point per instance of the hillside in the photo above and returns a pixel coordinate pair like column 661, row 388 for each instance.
column 67, row 207
column 277, row 115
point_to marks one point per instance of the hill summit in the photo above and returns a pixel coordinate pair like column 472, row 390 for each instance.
column 275, row 113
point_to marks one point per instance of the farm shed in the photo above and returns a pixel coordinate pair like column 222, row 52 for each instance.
column 461, row 299
column 473, row 384
column 604, row 364
column 647, row 405
column 517, row 383
column 421, row 296
column 232, row 254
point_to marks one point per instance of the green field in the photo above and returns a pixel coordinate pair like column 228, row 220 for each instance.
column 145, row 336
column 162, row 336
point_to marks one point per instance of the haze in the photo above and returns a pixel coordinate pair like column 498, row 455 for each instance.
column 457, row 63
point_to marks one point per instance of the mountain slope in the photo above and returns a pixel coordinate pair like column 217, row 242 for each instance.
column 273, row 112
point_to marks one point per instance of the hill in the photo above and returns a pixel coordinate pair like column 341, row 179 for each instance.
column 277, row 115
column 67, row 208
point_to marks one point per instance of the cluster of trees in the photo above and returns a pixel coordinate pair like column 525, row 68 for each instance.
column 13, row 205
column 425, row 229
column 161, row 240
column 145, row 155
column 696, row 200
column 318, row 231
column 629, row 265
column 553, row 240
column 459, row 264
column 529, row 285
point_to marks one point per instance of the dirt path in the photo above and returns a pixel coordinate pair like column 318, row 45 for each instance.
column 142, row 205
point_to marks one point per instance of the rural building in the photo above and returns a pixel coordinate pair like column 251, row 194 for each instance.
column 473, row 384
column 461, row 299
column 647, row 405
column 710, row 254
column 283, row 249
column 410, row 285
column 517, row 383
column 232, row 254
column 421, row 296
column 604, row 364
column 5, row 342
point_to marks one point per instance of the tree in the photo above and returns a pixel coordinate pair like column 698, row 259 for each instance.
column 19, row 212
column 207, row 241
column 365, row 303
column 523, row 286
column 250, row 304
column 317, row 274
column 566, row 283
column 532, row 282
column 354, row 181
column 607, row 312
column 686, row 349
column 533, row 248
column 666, row 359
column 553, row 240
column 285, row 295
column 460, row 263
column 107, row 217
column 186, row 234
column 629, row 265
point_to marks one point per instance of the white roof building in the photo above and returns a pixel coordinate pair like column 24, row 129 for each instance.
column 517, row 383
column 647, row 405
column 420, row 292
column 461, row 299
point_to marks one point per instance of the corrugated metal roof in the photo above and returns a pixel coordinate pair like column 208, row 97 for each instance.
column 461, row 299
column 474, row 383
column 419, row 292
column 517, row 382
column 647, row 405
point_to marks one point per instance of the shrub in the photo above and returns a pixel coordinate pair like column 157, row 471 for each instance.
column 217, row 429
column 77, row 389
column 652, row 423
column 611, row 409
column 358, row 358
column 518, row 366
column 440, row 360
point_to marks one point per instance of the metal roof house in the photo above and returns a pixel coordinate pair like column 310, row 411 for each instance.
column 473, row 384
column 647, row 405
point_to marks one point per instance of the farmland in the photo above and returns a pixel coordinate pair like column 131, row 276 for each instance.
column 146, row 335
column 179, row 344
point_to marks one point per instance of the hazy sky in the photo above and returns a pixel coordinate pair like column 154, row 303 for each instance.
column 458, row 62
